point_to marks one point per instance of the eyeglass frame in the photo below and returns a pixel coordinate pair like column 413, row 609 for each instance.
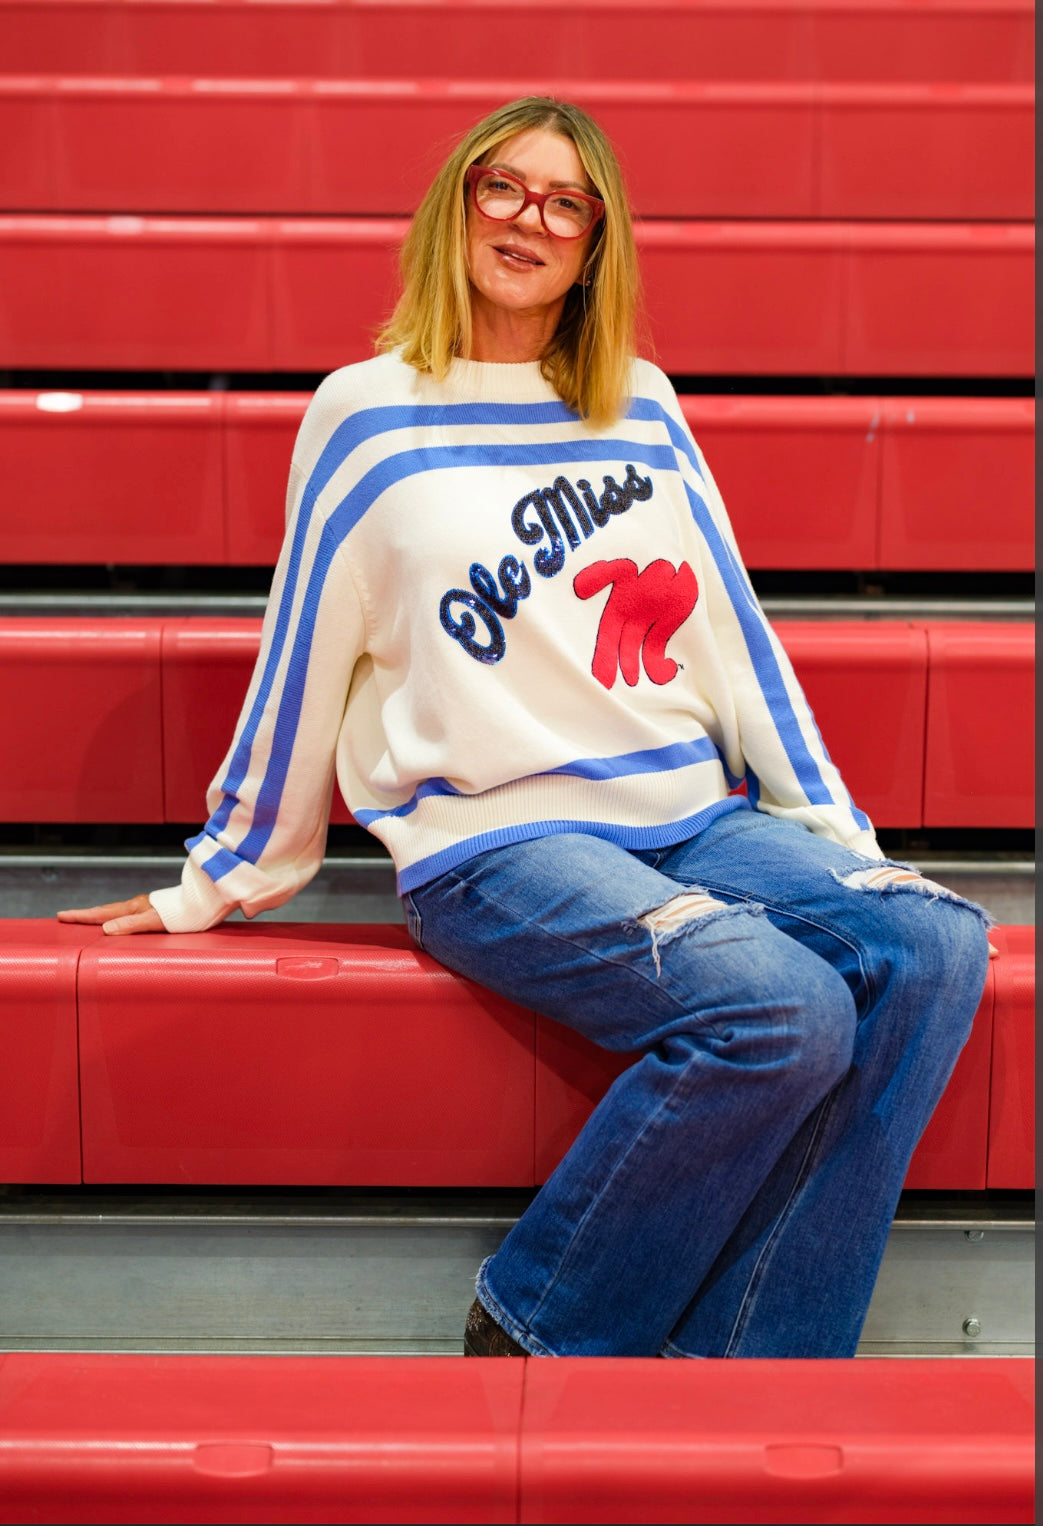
column 533, row 198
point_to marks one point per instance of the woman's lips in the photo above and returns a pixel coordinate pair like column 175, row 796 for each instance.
column 515, row 254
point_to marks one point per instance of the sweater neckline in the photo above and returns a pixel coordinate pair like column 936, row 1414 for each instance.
column 498, row 380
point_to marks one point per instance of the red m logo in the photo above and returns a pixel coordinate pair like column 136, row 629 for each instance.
column 643, row 611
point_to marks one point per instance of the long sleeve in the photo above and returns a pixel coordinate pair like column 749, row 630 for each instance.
column 269, row 801
column 788, row 770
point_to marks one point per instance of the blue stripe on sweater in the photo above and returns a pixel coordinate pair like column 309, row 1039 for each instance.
column 630, row 838
column 651, row 760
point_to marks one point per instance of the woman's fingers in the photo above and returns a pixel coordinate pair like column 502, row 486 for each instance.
column 96, row 914
column 134, row 916
column 138, row 922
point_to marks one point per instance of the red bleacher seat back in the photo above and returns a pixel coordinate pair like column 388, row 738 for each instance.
column 572, row 1075
column 776, row 298
column 887, row 150
column 259, row 436
column 86, row 689
column 767, row 150
column 39, row 1079
column 850, row 673
column 82, row 696
column 810, row 483
column 763, row 292
column 292, row 1054
column 261, row 1055
column 957, row 484
column 980, row 764
column 132, row 293
column 800, row 476
column 206, row 669
column 907, row 281
column 597, row 39
column 333, row 282
column 1012, row 1116
column 112, row 477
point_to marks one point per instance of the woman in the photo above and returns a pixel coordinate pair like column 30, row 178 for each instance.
column 511, row 617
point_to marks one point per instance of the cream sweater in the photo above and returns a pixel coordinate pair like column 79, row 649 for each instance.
column 490, row 622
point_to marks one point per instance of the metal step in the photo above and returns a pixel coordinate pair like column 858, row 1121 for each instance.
column 155, row 605
column 360, row 887
column 394, row 1275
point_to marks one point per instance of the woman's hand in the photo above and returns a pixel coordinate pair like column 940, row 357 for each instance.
column 137, row 915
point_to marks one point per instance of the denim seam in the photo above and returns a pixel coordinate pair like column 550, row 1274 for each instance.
column 749, row 1297
column 868, row 983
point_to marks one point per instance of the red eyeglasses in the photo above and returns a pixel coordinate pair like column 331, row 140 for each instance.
column 502, row 197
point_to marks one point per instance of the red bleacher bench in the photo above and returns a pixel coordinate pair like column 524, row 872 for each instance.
column 259, row 1055
column 977, row 40
column 725, row 298
column 788, row 150
column 980, row 682
column 871, row 482
column 128, row 719
column 92, row 1438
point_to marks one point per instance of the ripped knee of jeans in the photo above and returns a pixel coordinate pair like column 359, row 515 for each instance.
column 680, row 911
column 887, row 877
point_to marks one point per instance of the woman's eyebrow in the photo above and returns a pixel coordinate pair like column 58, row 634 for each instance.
column 555, row 185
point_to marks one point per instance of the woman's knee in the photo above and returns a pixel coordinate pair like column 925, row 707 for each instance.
column 796, row 1024
column 929, row 960
column 926, row 936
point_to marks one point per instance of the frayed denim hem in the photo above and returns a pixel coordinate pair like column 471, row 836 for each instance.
column 504, row 1320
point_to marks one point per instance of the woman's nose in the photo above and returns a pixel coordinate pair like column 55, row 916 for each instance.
column 529, row 218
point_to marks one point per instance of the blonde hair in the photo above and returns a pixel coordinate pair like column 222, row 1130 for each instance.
column 588, row 360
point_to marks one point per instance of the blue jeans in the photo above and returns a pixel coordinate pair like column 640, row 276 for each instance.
column 794, row 1025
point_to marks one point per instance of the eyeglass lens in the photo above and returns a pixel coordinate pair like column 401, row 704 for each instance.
column 564, row 214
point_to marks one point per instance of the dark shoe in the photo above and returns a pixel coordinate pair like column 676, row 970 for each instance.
column 483, row 1336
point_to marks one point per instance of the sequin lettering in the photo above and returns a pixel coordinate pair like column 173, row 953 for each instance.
column 491, row 603
column 561, row 516
column 555, row 506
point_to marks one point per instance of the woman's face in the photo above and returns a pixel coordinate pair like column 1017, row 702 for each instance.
column 520, row 274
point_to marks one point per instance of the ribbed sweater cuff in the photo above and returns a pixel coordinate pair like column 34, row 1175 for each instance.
column 866, row 844
column 192, row 906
